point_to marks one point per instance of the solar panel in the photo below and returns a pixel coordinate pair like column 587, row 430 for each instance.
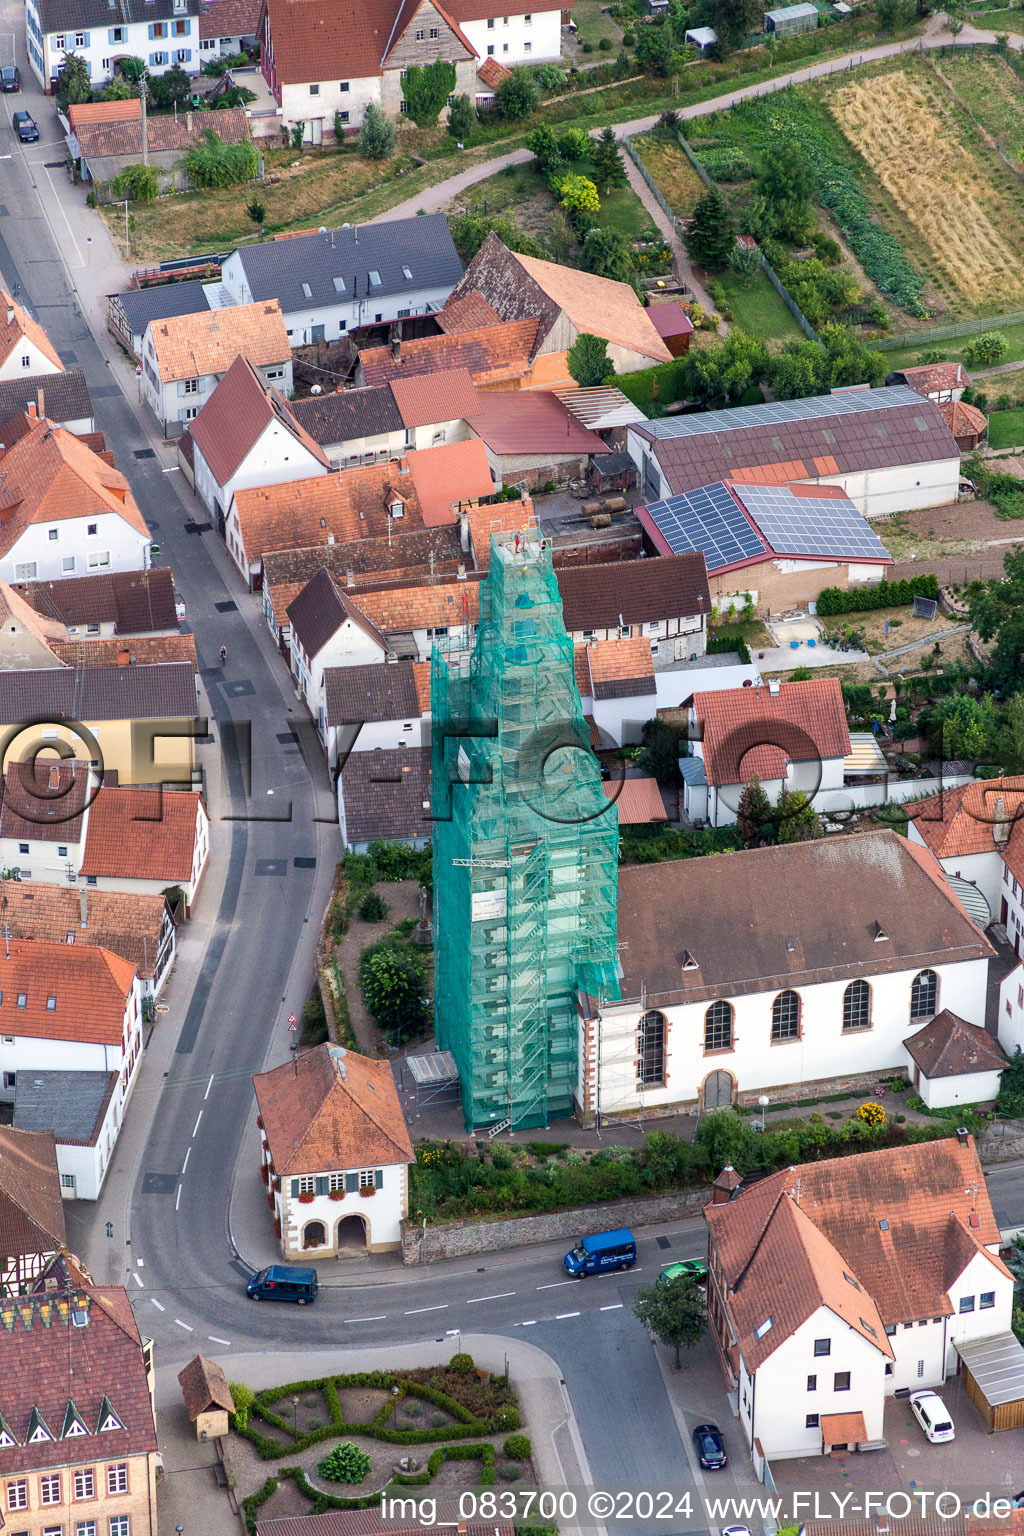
column 822, row 526
column 812, row 409
column 706, row 521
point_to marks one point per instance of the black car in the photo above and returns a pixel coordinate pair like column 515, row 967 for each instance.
column 710, row 1447
column 25, row 128
column 10, row 80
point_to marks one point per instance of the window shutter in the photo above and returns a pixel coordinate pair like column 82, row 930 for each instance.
column 152, row 60
column 351, row 1183
column 378, row 1178
column 152, row 33
column 321, row 1183
column 110, row 35
column 295, row 1189
column 186, row 54
column 181, row 382
column 86, row 43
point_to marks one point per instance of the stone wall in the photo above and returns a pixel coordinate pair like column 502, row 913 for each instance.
column 457, row 1239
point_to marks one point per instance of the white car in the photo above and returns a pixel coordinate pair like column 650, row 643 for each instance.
column 933, row 1416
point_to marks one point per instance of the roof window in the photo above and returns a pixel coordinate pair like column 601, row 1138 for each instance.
column 762, row 1328
column 406, row 273
column 374, row 279
column 307, row 291
column 339, row 285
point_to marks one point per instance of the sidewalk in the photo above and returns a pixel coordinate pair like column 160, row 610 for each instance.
column 188, row 1495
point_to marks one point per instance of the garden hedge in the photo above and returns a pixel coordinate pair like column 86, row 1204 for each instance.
column 884, row 594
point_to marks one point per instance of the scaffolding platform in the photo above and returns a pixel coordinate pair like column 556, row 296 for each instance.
column 435, row 1078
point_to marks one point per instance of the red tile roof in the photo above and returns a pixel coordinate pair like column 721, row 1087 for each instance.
column 347, row 40
column 948, row 1046
column 329, row 1110
column 91, row 987
column 203, row 1382
column 126, row 650
column 470, row 313
column 31, row 1208
column 50, row 476
column 531, row 422
column 493, row 352
column 117, row 135
column 843, row 1429
column 962, row 821
column 637, row 801
column 752, row 730
column 229, row 18
column 129, row 924
column 964, row 420
column 450, row 473
column 238, row 413
column 142, row 834
column 21, row 325
column 44, row 800
column 430, row 398
column 340, row 507
column 935, row 378
column 491, row 73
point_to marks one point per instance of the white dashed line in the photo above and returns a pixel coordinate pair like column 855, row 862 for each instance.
column 140, row 1263
column 442, row 1308
column 615, row 1307
column 187, row 1326
column 531, row 1324
column 380, row 1319
column 196, row 1126
column 158, row 1304
column 188, row 1153
column 214, row 1340
column 554, row 1285
column 209, row 1085
column 561, row 1316
column 177, row 1198
column 499, row 1297
column 138, row 1279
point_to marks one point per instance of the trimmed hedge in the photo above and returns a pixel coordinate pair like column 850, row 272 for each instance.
column 884, row 594
column 730, row 640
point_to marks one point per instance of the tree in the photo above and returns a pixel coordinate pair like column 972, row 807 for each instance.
column 894, row 14
column 662, row 748
column 608, row 253
column 964, row 726
column 745, row 261
column 134, row 69
column 734, row 21
column 426, row 88
column 559, row 237
column 543, row 145
column 1013, row 741
column 73, row 82
column 588, row 360
column 814, row 367
column 674, row 1311
column 377, row 135
column 653, row 51
column 517, row 96
column 795, row 818
column 470, row 230
column 754, row 815
column 997, row 611
column 985, row 350
column 711, row 237
column 574, row 144
column 139, row 183
column 256, row 210
column 393, row 978
column 956, row 16
column 212, row 163
column 579, row 197
column 715, row 376
column 461, row 119
column 1011, row 1103
column 606, row 160
column 785, row 189
column 170, row 89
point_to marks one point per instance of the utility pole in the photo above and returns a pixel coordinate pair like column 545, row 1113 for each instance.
column 143, row 92
column 127, row 243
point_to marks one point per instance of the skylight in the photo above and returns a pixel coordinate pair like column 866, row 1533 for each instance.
column 307, row 290
column 374, row 279
column 762, row 1328
column 407, row 273
column 339, row 285
column 851, row 1281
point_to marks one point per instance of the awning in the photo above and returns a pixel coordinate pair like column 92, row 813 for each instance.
column 864, row 756
column 971, row 898
column 997, row 1365
column 843, row 1429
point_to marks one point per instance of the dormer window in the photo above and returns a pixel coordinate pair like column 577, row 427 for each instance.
column 397, row 509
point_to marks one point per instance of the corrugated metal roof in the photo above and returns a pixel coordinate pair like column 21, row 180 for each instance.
column 997, row 1365
column 865, row 755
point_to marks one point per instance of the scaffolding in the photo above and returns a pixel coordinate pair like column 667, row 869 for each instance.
column 525, row 851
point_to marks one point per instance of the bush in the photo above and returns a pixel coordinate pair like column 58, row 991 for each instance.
column 883, row 594
column 314, row 1019
column 517, row 1448
column 213, row 163
column 393, row 977
column 243, row 1397
column 588, row 47
column 345, row 1464
column 726, row 163
column 985, row 350
column 374, row 908
column 510, row 1470
column 140, row 183
column 871, row 1114
column 462, row 1364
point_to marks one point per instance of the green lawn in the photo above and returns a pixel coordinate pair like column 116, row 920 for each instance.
column 758, row 308
column 593, row 24
column 953, row 350
column 1006, row 429
column 1000, row 21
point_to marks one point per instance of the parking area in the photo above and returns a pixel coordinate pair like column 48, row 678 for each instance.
column 972, row 1465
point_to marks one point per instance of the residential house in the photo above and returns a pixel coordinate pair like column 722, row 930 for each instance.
column 139, row 722
column 116, row 603
column 1010, row 1018
column 26, row 637
column 63, row 398
column 76, row 1402
column 106, row 138
column 976, row 833
column 369, row 708
column 792, row 734
column 856, row 943
column 666, row 601
column 185, row 357
column 617, row 688
column 565, row 303
column 385, row 795
column 942, row 382
column 148, row 841
column 227, row 27
column 832, row 1285
column 246, row 435
column 163, row 33
column 330, row 283
column 968, row 425
column 450, row 478
column 436, row 408
column 64, row 510
column 336, row 1153
column 531, row 439
column 66, row 1010
column 127, row 651
column 354, row 426
column 31, row 1210
column 496, row 355
column 415, row 619
column 328, row 630
column 130, row 314
column 138, row 927
column 888, row 449
column 25, row 349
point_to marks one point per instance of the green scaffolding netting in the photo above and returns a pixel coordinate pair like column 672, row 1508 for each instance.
column 525, row 850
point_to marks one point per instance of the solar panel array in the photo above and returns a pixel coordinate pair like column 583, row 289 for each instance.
column 707, row 521
column 824, row 526
column 812, row 409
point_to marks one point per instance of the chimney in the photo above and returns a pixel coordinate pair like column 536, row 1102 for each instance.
column 1000, row 824
column 350, row 577
column 461, row 573
column 123, row 658
column 963, row 1135
column 32, row 412
column 54, row 778
column 464, row 532
column 188, row 121
column 10, row 313
column 83, row 908
column 773, row 687
column 40, row 404
column 396, row 345
column 882, row 1523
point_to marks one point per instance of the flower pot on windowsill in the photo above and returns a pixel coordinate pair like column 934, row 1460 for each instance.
column 366, row 1191
column 307, row 1197
column 336, row 1194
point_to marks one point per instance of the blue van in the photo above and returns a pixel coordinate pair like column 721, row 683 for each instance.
column 600, row 1253
column 284, row 1282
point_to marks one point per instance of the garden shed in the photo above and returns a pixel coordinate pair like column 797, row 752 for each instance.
column 993, row 1373
column 208, row 1399
column 701, row 37
column 791, row 19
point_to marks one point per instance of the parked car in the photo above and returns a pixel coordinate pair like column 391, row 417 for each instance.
column 284, row 1282
column 710, row 1447
column 695, row 1268
column 933, row 1416
column 25, row 128
column 600, row 1253
column 10, row 79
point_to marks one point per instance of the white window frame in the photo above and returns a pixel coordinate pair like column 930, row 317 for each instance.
column 306, row 1183
column 47, row 1490
column 99, row 560
column 17, row 1493
column 117, row 1477
column 85, row 1477
column 367, row 1178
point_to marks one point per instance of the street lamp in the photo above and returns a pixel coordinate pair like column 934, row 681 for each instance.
column 295, row 1418
column 394, row 1406
column 763, row 1101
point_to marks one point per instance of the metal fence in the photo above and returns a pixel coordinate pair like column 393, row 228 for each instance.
column 631, row 151
column 948, row 332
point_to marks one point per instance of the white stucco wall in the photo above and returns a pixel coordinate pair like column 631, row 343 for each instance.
column 300, row 105
column 26, row 360
column 1010, row 1026
column 382, row 1212
column 349, row 646
column 979, row 1279
column 964, row 1088
column 275, row 456
column 902, row 488
column 373, row 736
column 526, row 38
column 351, row 310
column 38, row 556
column 101, row 46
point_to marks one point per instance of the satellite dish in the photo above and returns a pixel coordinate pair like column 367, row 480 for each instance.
column 346, row 226
column 322, row 230
column 316, row 389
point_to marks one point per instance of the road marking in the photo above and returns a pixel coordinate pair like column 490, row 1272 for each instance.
column 442, row 1308
column 188, row 1153
column 158, row 1304
column 196, row 1126
column 177, row 1198
column 561, row 1316
column 379, row 1319
column 531, row 1324
column 554, row 1284
column 214, row 1340
column 187, row 1326
column 209, row 1085
column 138, row 1280
column 615, row 1307
column 174, row 469
column 499, row 1297
column 60, row 206
column 140, row 1263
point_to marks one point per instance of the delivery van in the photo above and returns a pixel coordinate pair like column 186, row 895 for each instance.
column 600, row 1253
column 284, row 1282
